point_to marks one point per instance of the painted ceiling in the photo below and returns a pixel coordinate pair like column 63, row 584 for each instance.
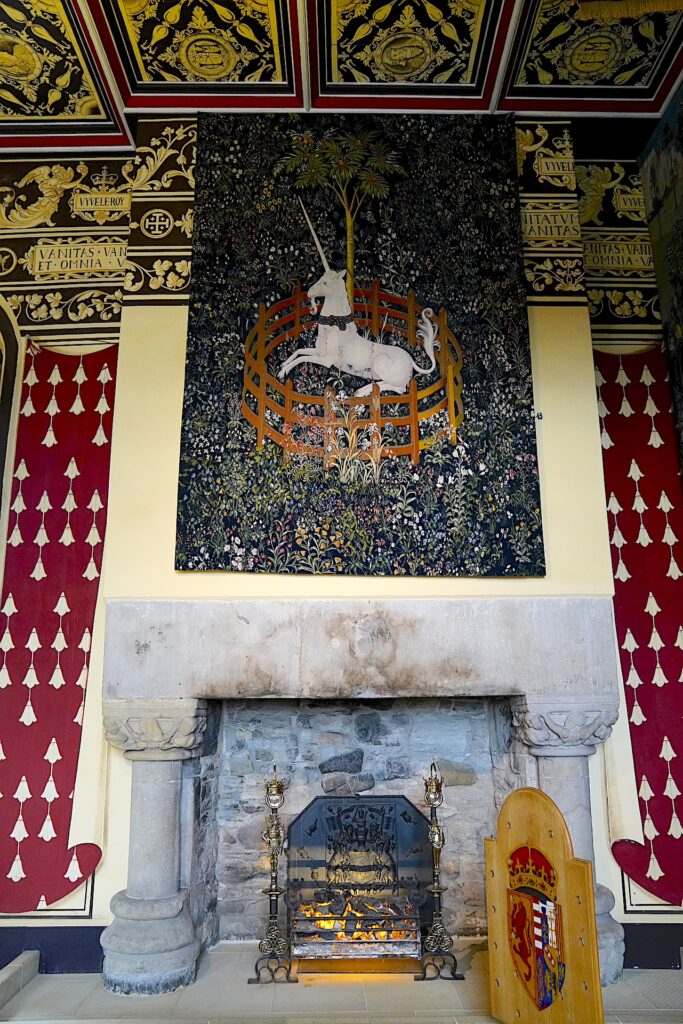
column 74, row 72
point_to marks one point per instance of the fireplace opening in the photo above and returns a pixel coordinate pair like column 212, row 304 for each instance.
column 358, row 872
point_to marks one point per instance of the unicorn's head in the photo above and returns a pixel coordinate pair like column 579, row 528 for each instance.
column 330, row 285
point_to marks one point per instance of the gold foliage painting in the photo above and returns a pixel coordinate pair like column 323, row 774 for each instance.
column 380, row 41
column 562, row 50
column 206, row 40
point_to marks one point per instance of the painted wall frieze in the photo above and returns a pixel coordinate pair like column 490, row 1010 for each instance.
column 162, row 177
column 63, row 243
column 91, row 303
column 68, row 257
column 164, row 275
column 551, row 230
column 620, row 277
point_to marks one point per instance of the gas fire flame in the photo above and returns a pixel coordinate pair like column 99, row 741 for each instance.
column 352, row 925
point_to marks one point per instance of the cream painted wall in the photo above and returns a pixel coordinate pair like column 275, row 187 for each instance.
column 139, row 548
column 142, row 502
column 144, row 475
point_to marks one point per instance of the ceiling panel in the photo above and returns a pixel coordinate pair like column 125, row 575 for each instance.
column 50, row 80
column 558, row 58
column 192, row 50
column 441, row 52
column 73, row 71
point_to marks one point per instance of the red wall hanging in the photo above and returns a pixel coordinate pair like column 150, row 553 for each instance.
column 57, row 518
column 645, row 511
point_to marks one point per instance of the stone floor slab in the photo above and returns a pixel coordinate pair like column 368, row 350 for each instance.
column 51, row 995
column 649, row 1016
column 662, row 988
column 108, row 1004
column 313, row 995
column 221, row 995
column 423, row 998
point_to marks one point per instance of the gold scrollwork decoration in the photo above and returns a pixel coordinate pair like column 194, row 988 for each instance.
column 562, row 275
column 628, row 304
column 72, row 257
column 528, row 141
column 550, row 223
column 39, row 307
column 185, row 222
column 8, row 261
column 624, row 51
column 380, row 41
column 554, row 163
column 143, row 173
column 103, row 201
column 628, row 200
column 594, row 181
column 618, row 254
column 52, row 181
column 166, row 275
column 205, row 40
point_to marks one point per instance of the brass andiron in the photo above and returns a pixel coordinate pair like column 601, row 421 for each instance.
column 437, row 955
column 275, row 963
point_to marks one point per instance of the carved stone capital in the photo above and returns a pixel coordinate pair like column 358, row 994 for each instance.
column 556, row 730
column 155, row 730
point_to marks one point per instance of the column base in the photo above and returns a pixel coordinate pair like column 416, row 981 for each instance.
column 610, row 938
column 150, row 982
column 150, row 946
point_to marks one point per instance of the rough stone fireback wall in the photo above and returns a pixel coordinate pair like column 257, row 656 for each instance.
column 348, row 747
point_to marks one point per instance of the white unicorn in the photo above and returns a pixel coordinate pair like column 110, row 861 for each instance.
column 339, row 344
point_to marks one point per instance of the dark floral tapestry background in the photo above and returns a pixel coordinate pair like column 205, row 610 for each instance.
column 413, row 203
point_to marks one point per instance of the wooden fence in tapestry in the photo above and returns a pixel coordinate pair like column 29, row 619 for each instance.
column 302, row 424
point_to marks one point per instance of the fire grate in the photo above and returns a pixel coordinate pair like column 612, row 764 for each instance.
column 356, row 926
column 359, row 887
column 358, row 872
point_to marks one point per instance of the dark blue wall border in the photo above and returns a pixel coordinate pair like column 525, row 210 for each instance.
column 63, row 949
column 653, row 946
column 76, row 949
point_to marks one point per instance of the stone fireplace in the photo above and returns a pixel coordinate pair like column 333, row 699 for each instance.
column 347, row 698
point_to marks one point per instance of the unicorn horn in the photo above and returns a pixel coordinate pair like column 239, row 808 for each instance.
column 318, row 246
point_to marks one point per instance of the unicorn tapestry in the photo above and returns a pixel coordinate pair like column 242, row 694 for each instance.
column 358, row 391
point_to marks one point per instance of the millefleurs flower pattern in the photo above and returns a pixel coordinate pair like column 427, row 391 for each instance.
column 54, row 558
column 645, row 513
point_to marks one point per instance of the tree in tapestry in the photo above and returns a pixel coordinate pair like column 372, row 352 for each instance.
column 358, row 390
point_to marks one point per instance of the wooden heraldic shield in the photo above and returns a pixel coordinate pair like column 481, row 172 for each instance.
column 543, row 944
column 535, row 925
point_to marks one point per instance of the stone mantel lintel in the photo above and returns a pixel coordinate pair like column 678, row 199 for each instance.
column 313, row 648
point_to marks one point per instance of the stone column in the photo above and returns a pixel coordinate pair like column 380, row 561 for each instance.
column 150, row 946
column 563, row 738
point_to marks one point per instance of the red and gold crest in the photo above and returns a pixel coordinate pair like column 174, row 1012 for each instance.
column 535, row 925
